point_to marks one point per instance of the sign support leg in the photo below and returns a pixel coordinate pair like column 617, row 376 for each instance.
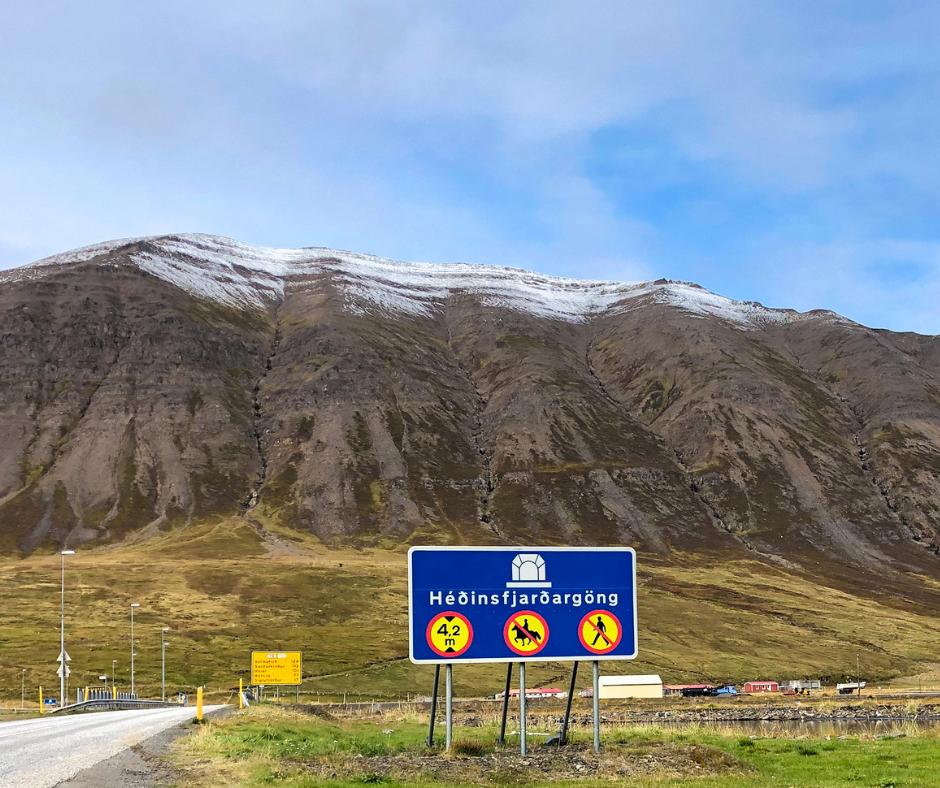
column 502, row 724
column 437, row 679
column 522, row 708
column 597, row 707
column 563, row 739
column 449, row 701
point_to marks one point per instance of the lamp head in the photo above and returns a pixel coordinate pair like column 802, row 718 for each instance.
column 135, row 604
column 166, row 629
column 67, row 552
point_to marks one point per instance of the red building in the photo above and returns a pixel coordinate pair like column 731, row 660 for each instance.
column 761, row 686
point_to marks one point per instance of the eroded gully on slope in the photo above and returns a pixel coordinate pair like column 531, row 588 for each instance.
column 251, row 500
column 676, row 457
column 865, row 462
column 487, row 486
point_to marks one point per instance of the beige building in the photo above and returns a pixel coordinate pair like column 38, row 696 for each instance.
column 631, row 687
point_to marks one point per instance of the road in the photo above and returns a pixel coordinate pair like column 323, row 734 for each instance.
column 40, row 753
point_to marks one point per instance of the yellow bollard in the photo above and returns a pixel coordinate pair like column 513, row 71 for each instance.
column 113, row 692
column 199, row 704
column 85, row 696
column 40, row 700
column 241, row 703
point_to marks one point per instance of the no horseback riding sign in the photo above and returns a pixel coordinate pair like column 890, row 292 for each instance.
column 526, row 633
column 521, row 604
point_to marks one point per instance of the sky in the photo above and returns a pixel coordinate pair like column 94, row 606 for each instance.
column 782, row 152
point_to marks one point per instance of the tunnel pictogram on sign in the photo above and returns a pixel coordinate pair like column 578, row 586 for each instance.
column 600, row 631
column 526, row 633
column 449, row 634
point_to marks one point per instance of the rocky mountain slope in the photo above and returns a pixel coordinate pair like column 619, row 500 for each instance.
column 150, row 383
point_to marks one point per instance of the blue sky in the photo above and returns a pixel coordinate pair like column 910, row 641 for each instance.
column 785, row 152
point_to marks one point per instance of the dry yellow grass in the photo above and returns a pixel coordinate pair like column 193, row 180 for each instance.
column 225, row 591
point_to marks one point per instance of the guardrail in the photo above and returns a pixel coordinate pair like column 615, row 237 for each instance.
column 112, row 704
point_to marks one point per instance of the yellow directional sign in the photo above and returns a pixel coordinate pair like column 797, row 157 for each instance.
column 600, row 631
column 275, row 667
column 449, row 634
column 526, row 632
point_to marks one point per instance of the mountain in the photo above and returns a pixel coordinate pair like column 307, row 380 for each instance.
column 151, row 383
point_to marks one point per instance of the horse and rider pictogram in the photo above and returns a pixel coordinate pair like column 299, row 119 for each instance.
column 526, row 633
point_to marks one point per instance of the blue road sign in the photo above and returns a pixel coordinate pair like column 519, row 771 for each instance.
column 521, row 604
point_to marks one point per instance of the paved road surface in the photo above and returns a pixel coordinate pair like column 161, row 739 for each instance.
column 42, row 752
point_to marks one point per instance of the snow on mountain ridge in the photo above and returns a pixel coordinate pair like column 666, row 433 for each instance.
column 239, row 274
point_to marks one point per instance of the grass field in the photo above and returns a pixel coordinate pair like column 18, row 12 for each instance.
column 273, row 746
column 224, row 591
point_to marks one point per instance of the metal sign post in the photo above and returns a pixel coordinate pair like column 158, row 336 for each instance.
column 437, row 679
column 563, row 739
column 449, row 705
column 597, row 707
column 502, row 724
column 522, row 708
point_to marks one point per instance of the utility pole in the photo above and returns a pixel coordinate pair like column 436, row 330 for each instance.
column 64, row 667
column 163, row 663
column 23, row 698
column 858, row 676
column 133, row 605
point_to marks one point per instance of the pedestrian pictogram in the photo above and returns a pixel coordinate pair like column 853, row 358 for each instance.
column 526, row 633
column 449, row 634
column 600, row 631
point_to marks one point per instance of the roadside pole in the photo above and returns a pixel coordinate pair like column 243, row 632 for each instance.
column 437, row 679
column 199, row 703
column 40, row 700
column 522, row 708
column 563, row 739
column 449, row 702
column 241, row 696
column 597, row 707
column 502, row 724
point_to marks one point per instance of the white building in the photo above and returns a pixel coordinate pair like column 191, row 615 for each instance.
column 628, row 687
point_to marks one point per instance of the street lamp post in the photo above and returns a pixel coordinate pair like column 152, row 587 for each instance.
column 62, row 633
column 133, row 605
column 113, row 684
column 23, row 697
column 163, row 663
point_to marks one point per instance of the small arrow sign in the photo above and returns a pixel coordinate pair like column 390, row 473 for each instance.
column 68, row 672
column 67, row 657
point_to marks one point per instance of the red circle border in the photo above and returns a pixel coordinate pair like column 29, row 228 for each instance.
column 434, row 620
column 508, row 641
column 613, row 645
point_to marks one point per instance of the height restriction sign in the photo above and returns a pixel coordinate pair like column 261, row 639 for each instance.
column 449, row 634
